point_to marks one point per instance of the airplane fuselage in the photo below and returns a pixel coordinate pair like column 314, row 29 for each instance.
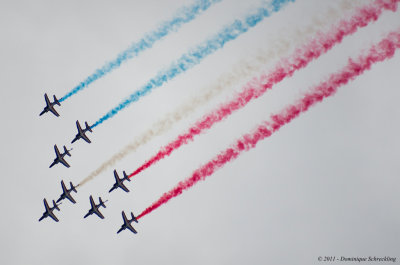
column 47, row 214
column 62, row 197
column 115, row 186
column 47, row 108
column 91, row 211
column 79, row 136
column 44, row 216
column 58, row 159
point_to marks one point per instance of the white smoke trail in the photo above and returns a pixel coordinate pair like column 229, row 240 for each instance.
column 240, row 71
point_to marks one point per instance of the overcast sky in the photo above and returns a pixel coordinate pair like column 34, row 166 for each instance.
column 326, row 184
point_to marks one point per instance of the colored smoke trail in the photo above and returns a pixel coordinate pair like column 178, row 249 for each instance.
column 285, row 68
column 183, row 16
column 243, row 69
column 195, row 56
column 355, row 67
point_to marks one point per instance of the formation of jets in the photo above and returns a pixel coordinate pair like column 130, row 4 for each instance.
column 49, row 210
column 95, row 208
column 67, row 192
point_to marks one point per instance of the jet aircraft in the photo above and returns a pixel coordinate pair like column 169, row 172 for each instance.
column 81, row 132
column 50, row 105
column 95, row 208
column 60, row 157
column 67, row 192
column 49, row 210
column 127, row 223
column 119, row 182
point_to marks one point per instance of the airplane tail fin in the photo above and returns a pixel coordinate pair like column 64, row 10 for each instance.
column 67, row 151
column 56, row 100
column 134, row 218
column 102, row 203
column 126, row 177
column 88, row 127
column 73, row 187
column 55, row 205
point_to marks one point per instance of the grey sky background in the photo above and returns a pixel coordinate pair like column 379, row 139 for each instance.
column 326, row 184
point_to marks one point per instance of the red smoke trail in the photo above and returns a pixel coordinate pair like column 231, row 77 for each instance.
column 285, row 68
column 377, row 53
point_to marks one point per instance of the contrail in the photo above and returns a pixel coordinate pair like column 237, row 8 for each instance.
column 195, row 56
column 243, row 69
column 285, row 68
column 383, row 50
column 183, row 16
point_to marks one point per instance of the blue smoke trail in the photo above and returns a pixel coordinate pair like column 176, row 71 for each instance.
column 194, row 56
column 185, row 15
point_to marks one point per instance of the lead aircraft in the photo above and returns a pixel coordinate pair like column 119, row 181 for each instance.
column 49, row 210
column 50, row 105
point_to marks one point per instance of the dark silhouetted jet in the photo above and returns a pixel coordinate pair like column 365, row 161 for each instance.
column 60, row 157
column 127, row 223
column 119, row 182
column 81, row 132
column 67, row 192
column 49, row 210
column 50, row 105
column 95, row 208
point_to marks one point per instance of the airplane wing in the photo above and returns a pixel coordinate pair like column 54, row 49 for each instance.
column 124, row 217
column 52, row 215
column 63, row 187
column 122, row 186
column 46, row 205
column 62, row 161
column 51, row 108
column 69, row 197
column 92, row 202
column 130, row 227
column 46, row 98
column 116, row 176
column 57, row 151
column 96, row 211
column 79, row 127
